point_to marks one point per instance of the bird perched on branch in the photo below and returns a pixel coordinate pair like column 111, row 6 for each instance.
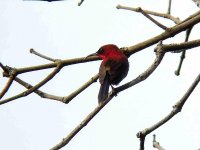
column 113, row 69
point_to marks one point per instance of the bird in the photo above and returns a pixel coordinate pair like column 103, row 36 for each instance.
column 113, row 69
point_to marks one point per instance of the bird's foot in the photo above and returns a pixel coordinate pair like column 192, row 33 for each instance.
column 114, row 90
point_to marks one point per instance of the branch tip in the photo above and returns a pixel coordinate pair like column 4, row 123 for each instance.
column 154, row 137
column 79, row 4
column 118, row 6
column 176, row 72
column 31, row 50
column 3, row 67
column 169, row 7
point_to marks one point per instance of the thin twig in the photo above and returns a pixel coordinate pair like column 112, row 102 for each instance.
column 8, row 71
column 11, row 74
column 157, row 144
column 65, row 99
column 79, row 4
column 169, row 7
column 38, row 92
column 152, row 19
column 163, row 15
column 68, row 98
column 41, row 55
column 141, row 77
column 169, row 33
column 191, row 16
column 179, row 47
column 176, row 109
column 7, row 86
column 67, row 139
column 3, row 67
column 182, row 57
column 142, row 141
column 54, row 64
column 29, row 91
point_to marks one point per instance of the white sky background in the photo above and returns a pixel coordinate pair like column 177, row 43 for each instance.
column 64, row 30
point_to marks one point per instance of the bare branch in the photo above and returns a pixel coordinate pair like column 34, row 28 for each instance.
column 79, row 4
column 191, row 16
column 168, row 33
column 78, row 128
column 140, row 78
column 41, row 55
column 29, row 91
column 152, row 19
column 163, row 15
column 180, row 46
column 157, row 144
column 176, row 109
column 10, row 73
column 38, row 92
column 3, row 67
column 65, row 99
column 7, row 86
column 182, row 57
column 52, row 65
column 142, row 141
column 68, row 98
column 177, row 72
column 169, row 7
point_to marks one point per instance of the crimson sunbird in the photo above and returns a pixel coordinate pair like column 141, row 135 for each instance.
column 113, row 69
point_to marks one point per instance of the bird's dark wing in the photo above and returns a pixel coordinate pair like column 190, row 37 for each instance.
column 117, row 70
column 103, row 71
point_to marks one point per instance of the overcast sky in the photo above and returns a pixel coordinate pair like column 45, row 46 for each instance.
column 63, row 30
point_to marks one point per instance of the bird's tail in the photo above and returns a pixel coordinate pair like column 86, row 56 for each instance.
column 103, row 91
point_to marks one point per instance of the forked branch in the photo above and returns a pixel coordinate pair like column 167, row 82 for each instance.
column 176, row 109
column 162, row 15
column 7, row 86
column 63, row 99
column 32, row 89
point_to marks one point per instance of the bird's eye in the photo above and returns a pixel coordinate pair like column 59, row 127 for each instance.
column 100, row 51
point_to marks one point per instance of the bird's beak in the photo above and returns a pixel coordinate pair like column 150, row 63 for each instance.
column 93, row 54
